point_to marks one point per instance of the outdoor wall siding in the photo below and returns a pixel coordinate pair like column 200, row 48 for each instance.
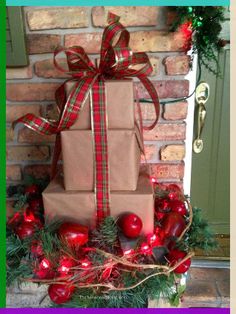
column 31, row 89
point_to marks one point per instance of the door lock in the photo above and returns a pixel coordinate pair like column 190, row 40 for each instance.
column 201, row 97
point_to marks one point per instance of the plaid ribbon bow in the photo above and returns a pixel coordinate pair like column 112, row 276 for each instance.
column 117, row 61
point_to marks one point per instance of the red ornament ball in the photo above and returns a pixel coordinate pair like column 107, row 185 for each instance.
column 176, row 256
column 131, row 225
column 178, row 207
column 73, row 233
column 27, row 229
column 32, row 190
column 173, row 224
column 60, row 293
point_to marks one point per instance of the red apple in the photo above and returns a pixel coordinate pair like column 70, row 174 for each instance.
column 131, row 225
column 173, row 224
column 73, row 233
column 176, row 256
column 60, row 293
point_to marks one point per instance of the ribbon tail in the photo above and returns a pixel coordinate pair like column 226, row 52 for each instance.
column 37, row 124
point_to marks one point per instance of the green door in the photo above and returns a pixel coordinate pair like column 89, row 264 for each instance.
column 211, row 168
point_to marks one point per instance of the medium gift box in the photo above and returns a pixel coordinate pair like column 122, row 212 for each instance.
column 124, row 154
column 119, row 103
column 80, row 206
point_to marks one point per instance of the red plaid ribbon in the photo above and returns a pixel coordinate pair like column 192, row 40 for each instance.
column 117, row 61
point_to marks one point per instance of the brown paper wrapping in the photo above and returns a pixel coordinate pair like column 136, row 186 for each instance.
column 80, row 205
column 123, row 156
column 120, row 106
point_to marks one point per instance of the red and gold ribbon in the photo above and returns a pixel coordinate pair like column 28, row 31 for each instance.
column 117, row 61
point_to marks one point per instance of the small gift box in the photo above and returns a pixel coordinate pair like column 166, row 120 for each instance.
column 80, row 205
column 119, row 105
column 124, row 151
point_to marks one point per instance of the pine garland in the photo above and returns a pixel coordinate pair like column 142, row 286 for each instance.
column 205, row 23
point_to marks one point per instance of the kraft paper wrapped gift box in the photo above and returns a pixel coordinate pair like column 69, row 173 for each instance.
column 79, row 206
column 119, row 103
column 124, row 154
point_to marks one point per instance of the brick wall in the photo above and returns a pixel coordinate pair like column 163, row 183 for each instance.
column 31, row 89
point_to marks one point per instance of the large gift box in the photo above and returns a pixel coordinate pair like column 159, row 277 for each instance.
column 120, row 106
column 124, row 151
column 80, row 205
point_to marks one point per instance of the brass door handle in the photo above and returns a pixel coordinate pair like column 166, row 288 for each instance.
column 202, row 95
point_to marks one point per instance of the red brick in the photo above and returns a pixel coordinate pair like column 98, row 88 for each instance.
column 171, row 15
column 148, row 111
column 156, row 41
column 9, row 134
column 150, row 152
column 130, row 15
column 15, row 111
column 91, row 42
column 166, row 132
column 26, row 135
column 19, row 73
column 38, row 171
column 31, row 91
column 175, row 111
column 167, row 89
column 60, row 17
column 177, row 65
column 172, row 152
column 47, row 69
column 51, row 112
column 42, row 43
column 168, row 171
column 28, row 153
column 13, row 172
column 149, row 41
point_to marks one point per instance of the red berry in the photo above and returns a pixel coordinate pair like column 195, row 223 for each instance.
column 32, row 190
column 74, row 234
column 173, row 224
column 176, row 256
column 131, row 225
column 60, row 293
column 178, row 207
